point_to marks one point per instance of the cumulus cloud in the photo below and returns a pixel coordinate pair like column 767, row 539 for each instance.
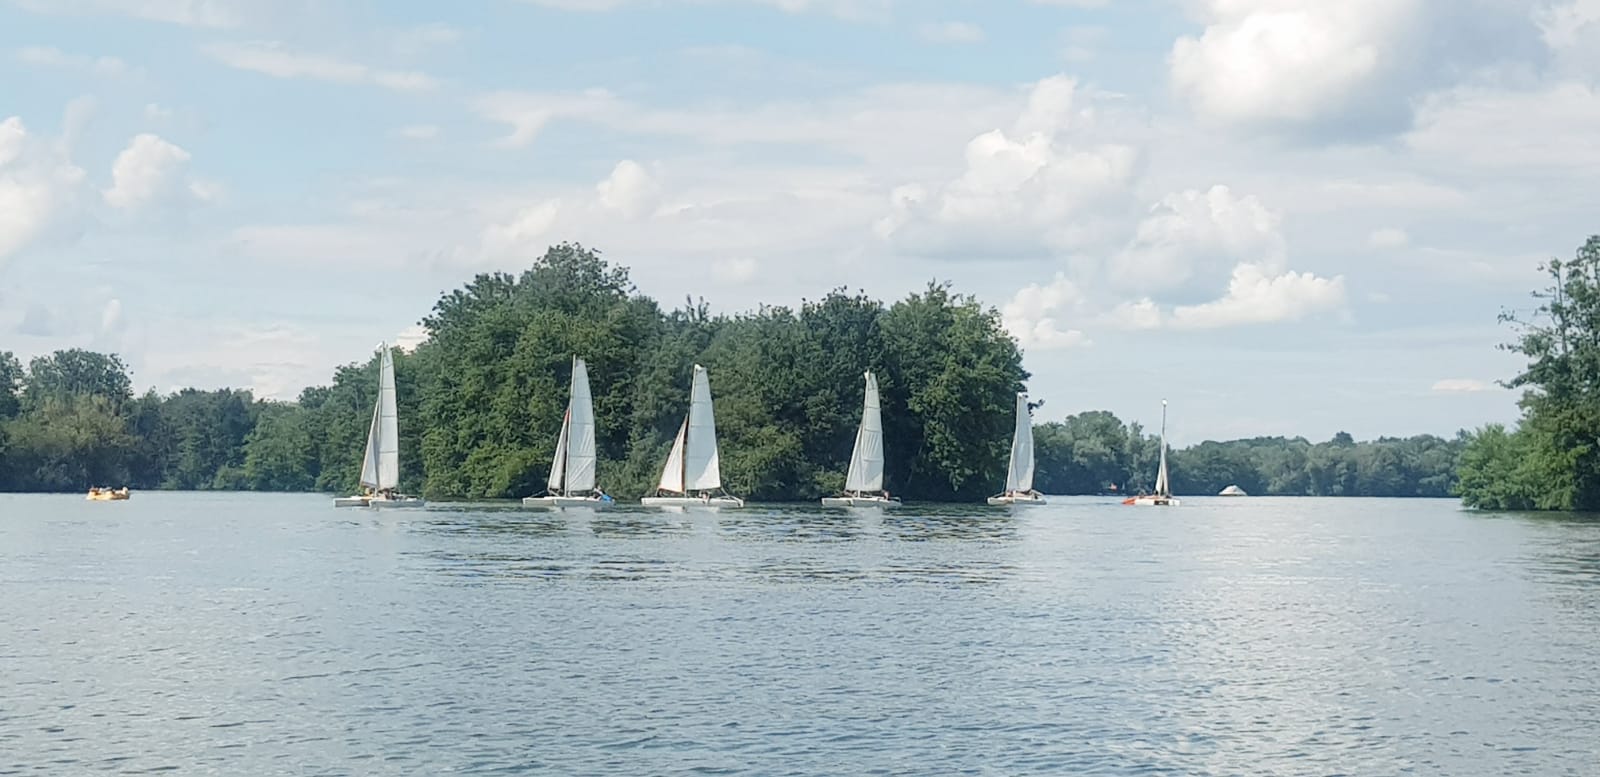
column 1350, row 67
column 1035, row 314
column 629, row 190
column 151, row 171
column 1255, row 296
column 1462, row 386
column 1033, row 190
column 38, row 188
column 1189, row 236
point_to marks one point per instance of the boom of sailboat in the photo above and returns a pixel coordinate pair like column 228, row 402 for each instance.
column 691, row 477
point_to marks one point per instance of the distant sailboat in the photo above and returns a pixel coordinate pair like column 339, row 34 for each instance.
column 1163, row 493
column 694, row 463
column 380, row 465
column 572, row 476
column 1019, row 471
column 863, row 486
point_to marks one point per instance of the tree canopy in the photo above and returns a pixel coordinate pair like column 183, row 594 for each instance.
column 1551, row 461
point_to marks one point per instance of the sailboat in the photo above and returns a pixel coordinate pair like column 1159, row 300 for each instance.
column 571, row 482
column 694, row 464
column 1163, row 495
column 863, row 486
column 1019, row 472
column 380, row 465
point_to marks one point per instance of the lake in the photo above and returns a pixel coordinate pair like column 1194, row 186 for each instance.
column 268, row 634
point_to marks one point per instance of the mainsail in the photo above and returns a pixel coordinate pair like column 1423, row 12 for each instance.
column 693, row 463
column 1162, row 489
column 701, row 469
column 1019, row 473
column 380, row 466
column 866, row 459
column 580, row 432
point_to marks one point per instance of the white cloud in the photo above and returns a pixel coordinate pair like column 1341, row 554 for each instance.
column 1034, row 315
column 528, row 112
column 274, row 59
column 38, row 188
column 1352, row 66
column 1034, row 191
column 1189, row 236
column 1462, row 386
column 1546, row 132
column 630, row 189
column 49, row 56
column 412, row 336
column 150, row 171
column 950, row 32
column 1389, row 237
column 1255, row 296
column 420, row 38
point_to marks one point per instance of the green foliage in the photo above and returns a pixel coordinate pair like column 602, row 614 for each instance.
column 1552, row 460
column 1094, row 453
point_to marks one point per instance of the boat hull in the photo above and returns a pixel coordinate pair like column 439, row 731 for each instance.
column 350, row 501
column 565, row 502
column 409, row 501
column 108, row 496
column 1017, row 500
column 1152, row 501
column 860, row 501
column 708, row 503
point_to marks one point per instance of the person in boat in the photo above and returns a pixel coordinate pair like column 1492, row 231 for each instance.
column 604, row 497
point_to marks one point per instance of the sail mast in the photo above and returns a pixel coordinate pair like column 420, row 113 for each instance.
column 1162, row 487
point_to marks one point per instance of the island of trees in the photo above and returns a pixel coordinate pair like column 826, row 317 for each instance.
column 481, row 400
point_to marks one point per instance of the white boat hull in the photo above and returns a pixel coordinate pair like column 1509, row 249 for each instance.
column 1153, row 501
column 707, row 503
column 860, row 501
column 1017, row 500
column 351, row 501
column 406, row 501
column 563, row 502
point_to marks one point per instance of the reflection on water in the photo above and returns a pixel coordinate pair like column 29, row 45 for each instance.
column 260, row 634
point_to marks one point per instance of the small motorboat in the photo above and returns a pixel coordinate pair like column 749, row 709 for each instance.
column 98, row 494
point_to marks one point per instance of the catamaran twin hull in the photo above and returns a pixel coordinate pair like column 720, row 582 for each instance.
column 696, row 502
column 860, row 501
column 379, row 501
column 561, row 502
column 1018, row 500
column 1152, row 501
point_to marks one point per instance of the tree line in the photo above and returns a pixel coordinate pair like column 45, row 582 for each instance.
column 481, row 402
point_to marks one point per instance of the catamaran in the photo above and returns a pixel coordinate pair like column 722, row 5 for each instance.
column 863, row 486
column 1163, row 494
column 572, row 477
column 693, row 474
column 1019, row 472
column 380, row 465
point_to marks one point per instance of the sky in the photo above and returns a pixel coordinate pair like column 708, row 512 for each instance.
column 1287, row 217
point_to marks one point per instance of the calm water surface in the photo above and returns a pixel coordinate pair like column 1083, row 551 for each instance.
column 272, row 634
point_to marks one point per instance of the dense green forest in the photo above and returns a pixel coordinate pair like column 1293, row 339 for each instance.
column 1551, row 460
column 481, row 400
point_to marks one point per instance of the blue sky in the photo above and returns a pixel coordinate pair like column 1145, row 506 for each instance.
column 1287, row 216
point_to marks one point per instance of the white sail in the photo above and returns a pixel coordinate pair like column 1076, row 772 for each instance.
column 1019, row 473
column 369, row 460
column 1162, row 489
column 558, row 464
column 581, row 453
column 672, row 474
column 380, row 468
column 701, row 469
column 866, row 459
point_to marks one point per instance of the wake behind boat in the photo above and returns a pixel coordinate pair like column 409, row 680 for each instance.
column 694, row 463
column 380, row 465
column 572, row 469
column 1163, row 493
column 1019, row 470
column 863, row 485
